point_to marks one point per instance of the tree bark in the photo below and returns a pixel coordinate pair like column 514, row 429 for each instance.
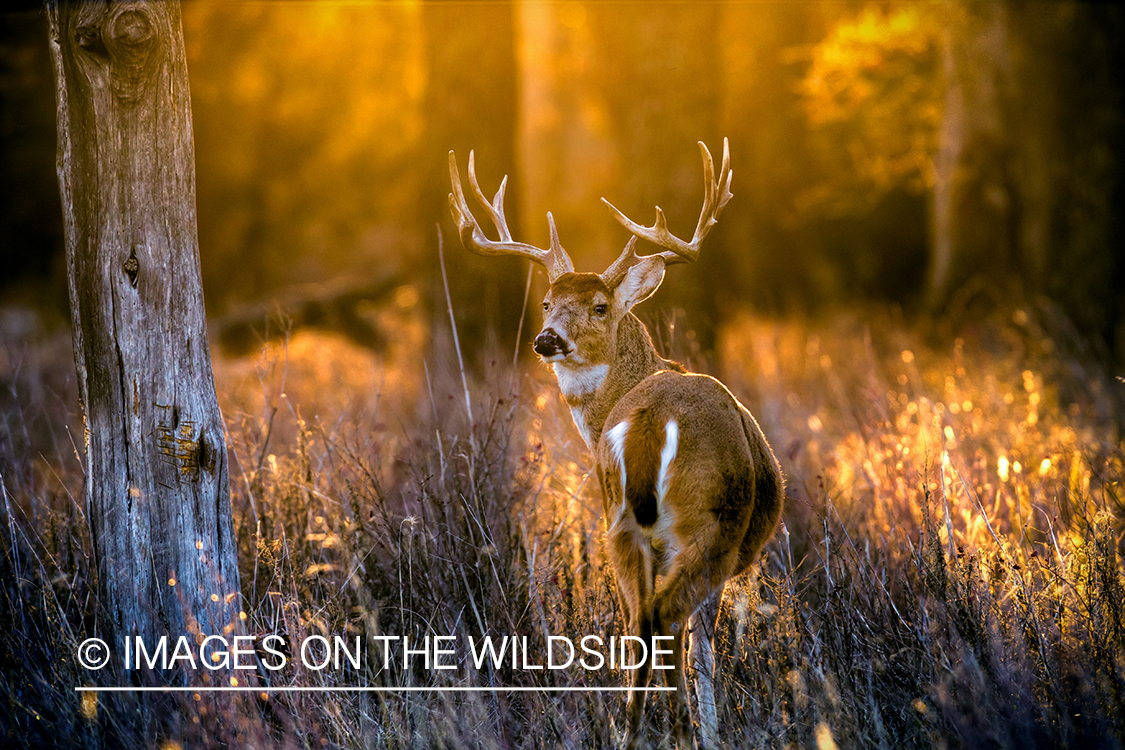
column 157, row 491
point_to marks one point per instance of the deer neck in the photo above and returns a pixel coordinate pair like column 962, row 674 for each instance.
column 593, row 390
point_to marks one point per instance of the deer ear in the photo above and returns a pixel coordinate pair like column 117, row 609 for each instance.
column 640, row 281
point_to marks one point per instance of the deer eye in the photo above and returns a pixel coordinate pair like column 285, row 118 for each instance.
column 600, row 309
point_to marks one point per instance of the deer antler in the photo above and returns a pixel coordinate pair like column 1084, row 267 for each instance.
column 555, row 259
column 613, row 275
column 715, row 197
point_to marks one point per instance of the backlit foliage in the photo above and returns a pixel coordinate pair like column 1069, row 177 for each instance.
column 874, row 85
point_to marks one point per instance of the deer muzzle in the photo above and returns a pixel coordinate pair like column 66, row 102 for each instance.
column 548, row 344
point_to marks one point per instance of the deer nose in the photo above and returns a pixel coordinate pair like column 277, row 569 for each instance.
column 548, row 343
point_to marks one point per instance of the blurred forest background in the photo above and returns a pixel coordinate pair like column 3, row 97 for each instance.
column 919, row 289
column 952, row 156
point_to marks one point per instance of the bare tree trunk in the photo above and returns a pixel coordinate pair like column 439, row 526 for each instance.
column 471, row 106
column 974, row 209
column 157, row 491
column 661, row 81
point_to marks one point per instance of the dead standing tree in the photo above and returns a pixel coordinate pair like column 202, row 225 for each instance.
column 157, row 490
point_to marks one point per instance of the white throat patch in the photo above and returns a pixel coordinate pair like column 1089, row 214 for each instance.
column 575, row 382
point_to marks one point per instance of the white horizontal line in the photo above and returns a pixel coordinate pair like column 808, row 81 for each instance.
column 360, row 689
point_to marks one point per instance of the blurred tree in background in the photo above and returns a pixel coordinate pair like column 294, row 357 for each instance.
column 1007, row 116
column 308, row 122
column 470, row 103
column 950, row 157
column 32, row 261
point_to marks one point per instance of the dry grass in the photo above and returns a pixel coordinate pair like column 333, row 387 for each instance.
column 949, row 571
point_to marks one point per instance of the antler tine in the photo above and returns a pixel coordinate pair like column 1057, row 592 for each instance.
column 495, row 209
column 558, row 262
column 612, row 276
column 713, row 203
column 473, row 237
column 715, row 197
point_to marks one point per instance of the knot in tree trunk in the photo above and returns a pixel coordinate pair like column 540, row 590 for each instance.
column 126, row 37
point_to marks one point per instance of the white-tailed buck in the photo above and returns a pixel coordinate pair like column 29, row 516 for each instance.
column 691, row 488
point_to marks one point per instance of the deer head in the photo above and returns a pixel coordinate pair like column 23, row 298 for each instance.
column 582, row 311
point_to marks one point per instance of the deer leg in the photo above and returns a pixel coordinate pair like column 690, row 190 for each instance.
column 676, row 678
column 632, row 561
column 635, row 707
column 701, row 632
column 695, row 579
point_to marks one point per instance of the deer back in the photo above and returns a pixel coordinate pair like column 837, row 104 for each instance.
column 683, row 462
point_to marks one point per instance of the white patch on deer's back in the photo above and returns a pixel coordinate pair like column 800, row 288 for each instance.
column 666, row 518
column 616, row 438
column 575, row 382
column 667, row 455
